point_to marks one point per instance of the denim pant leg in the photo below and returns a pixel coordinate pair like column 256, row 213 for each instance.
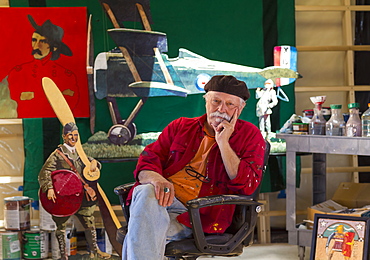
column 145, row 214
column 149, row 224
column 176, row 231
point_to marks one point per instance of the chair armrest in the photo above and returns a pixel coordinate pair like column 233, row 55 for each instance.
column 248, row 226
column 123, row 189
column 220, row 200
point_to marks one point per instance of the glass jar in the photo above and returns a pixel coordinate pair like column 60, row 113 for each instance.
column 335, row 125
column 353, row 126
column 317, row 123
column 365, row 121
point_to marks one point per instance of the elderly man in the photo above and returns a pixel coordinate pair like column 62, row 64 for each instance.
column 66, row 157
column 216, row 153
column 25, row 79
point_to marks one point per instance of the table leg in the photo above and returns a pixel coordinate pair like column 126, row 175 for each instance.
column 318, row 178
column 301, row 252
column 291, row 193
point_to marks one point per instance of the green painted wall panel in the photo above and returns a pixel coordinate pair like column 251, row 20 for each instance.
column 231, row 31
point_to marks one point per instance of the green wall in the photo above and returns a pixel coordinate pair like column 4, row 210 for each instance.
column 241, row 32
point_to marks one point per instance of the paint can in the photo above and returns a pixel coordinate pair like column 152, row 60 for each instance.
column 103, row 241
column 55, row 251
column 71, row 243
column 35, row 244
column 10, row 246
column 17, row 213
column 46, row 220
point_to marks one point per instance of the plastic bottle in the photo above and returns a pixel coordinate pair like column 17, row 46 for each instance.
column 335, row 125
column 353, row 126
column 365, row 120
column 317, row 124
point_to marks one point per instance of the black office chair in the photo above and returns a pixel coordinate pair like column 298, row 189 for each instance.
column 231, row 243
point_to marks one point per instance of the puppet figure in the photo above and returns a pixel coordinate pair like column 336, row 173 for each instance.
column 56, row 197
column 267, row 100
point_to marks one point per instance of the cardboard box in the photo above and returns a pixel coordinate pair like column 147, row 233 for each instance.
column 353, row 195
column 325, row 207
column 349, row 200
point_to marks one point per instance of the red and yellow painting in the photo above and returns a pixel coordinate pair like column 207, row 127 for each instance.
column 337, row 239
column 42, row 42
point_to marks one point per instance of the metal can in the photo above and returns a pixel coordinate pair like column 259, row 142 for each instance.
column 10, row 246
column 17, row 213
column 35, row 244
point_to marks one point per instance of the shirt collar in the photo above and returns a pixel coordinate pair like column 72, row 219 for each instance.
column 70, row 148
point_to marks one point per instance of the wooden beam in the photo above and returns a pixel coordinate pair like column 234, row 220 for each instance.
column 331, row 88
column 276, row 213
column 334, row 48
column 11, row 179
column 334, row 8
column 339, row 169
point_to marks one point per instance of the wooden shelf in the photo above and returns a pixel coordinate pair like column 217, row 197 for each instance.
column 331, row 88
column 335, row 48
column 332, row 8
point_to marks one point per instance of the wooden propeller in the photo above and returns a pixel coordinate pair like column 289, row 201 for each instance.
column 64, row 114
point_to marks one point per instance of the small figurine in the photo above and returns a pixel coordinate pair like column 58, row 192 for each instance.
column 267, row 100
column 65, row 158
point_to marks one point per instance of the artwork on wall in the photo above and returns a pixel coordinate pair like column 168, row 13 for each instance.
column 137, row 68
column 340, row 237
column 41, row 42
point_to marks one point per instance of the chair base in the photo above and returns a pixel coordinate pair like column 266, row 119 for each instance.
column 186, row 249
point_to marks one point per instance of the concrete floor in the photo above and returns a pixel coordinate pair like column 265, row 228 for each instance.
column 273, row 251
column 278, row 249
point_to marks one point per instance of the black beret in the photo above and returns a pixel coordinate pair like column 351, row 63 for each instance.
column 229, row 85
column 69, row 127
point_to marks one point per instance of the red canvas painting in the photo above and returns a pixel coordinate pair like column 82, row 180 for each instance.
column 37, row 43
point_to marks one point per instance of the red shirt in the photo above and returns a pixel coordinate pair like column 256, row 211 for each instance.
column 178, row 144
column 27, row 79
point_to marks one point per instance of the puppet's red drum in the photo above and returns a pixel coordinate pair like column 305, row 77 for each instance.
column 68, row 191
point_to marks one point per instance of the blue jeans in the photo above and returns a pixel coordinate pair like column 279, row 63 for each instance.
column 151, row 226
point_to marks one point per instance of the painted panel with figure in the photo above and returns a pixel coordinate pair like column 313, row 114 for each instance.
column 37, row 43
column 340, row 237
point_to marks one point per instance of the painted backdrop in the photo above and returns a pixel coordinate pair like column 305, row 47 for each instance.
column 240, row 32
column 39, row 42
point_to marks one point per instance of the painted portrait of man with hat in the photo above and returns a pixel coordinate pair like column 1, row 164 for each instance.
column 46, row 39
column 54, row 52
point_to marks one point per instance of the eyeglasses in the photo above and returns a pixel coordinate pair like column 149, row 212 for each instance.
column 193, row 173
column 217, row 102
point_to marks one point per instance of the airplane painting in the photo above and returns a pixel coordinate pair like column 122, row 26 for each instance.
column 138, row 67
column 189, row 71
